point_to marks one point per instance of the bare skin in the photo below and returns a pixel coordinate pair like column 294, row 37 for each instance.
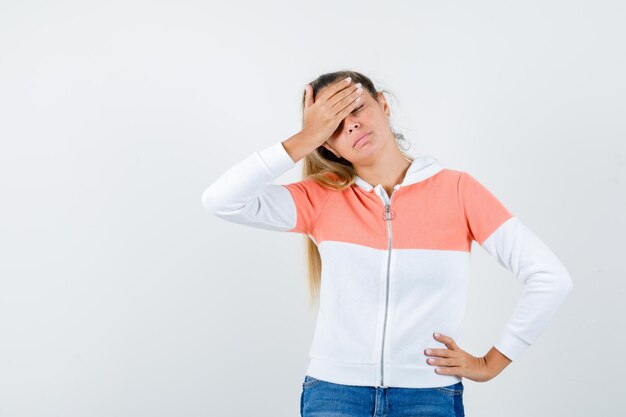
column 322, row 117
column 456, row 361
column 377, row 158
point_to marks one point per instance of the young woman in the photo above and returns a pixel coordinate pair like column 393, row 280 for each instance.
column 388, row 242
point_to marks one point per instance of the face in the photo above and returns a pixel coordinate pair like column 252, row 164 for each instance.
column 370, row 117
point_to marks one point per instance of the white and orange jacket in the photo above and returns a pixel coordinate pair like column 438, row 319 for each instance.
column 394, row 269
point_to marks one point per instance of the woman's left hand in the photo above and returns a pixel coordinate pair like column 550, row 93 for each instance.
column 456, row 361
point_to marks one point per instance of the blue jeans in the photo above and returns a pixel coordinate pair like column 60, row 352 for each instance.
column 324, row 399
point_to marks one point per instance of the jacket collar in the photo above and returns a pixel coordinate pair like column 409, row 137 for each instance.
column 422, row 167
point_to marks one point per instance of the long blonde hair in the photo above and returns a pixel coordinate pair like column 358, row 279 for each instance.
column 331, row 172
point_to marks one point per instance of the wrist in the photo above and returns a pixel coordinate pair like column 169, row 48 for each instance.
column 312, row 137
column 495, row 361
column 300, row 145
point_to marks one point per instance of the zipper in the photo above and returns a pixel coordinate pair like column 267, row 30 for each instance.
column 388, row 216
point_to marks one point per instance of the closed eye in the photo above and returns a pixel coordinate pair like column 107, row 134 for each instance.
column 358, row 108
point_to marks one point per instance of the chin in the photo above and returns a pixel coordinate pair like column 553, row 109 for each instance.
column 368, row 151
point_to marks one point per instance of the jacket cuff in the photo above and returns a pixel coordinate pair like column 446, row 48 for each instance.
column 511, row 345
column 276, row 159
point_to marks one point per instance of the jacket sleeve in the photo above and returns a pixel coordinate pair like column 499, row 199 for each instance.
column 246, row 194
column 503, row 235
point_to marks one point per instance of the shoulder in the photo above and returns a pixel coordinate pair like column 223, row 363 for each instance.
column 459, row 177
column 449, row 176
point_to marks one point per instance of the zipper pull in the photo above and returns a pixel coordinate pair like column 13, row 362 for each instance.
column 388, row 214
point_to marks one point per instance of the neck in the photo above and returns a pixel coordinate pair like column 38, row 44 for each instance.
column 388, row 170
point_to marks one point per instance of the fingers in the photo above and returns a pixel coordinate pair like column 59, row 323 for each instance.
column 332, row 104
column 446, row 353
column 345, row 97
column 441, row 362
column 346, row 105
column 453, row 370
column 448, row 341
column 340, row 96
column 334, row 88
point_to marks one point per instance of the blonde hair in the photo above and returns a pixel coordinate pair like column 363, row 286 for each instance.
column 331, row 172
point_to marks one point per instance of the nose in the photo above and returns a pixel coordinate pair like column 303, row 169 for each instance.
column 352, row 127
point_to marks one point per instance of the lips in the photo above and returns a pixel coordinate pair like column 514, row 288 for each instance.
column 361, row 137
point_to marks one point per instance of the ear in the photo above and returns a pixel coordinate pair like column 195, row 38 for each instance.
column 381, row 99
column 327, row 146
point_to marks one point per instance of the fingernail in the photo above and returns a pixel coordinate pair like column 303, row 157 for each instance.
column 428, row 351
column 437, row 334
column 348, row 79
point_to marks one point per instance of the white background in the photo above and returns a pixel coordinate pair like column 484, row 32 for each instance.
column 121, row 296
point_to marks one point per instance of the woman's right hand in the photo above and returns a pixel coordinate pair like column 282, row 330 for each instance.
column 323, row 116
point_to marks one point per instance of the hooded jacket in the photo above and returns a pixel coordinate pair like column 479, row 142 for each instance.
column 395, row 269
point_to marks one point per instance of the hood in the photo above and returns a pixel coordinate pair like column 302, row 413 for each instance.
column 422, row 167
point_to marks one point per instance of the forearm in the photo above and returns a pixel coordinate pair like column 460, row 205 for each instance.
column 246, row 188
